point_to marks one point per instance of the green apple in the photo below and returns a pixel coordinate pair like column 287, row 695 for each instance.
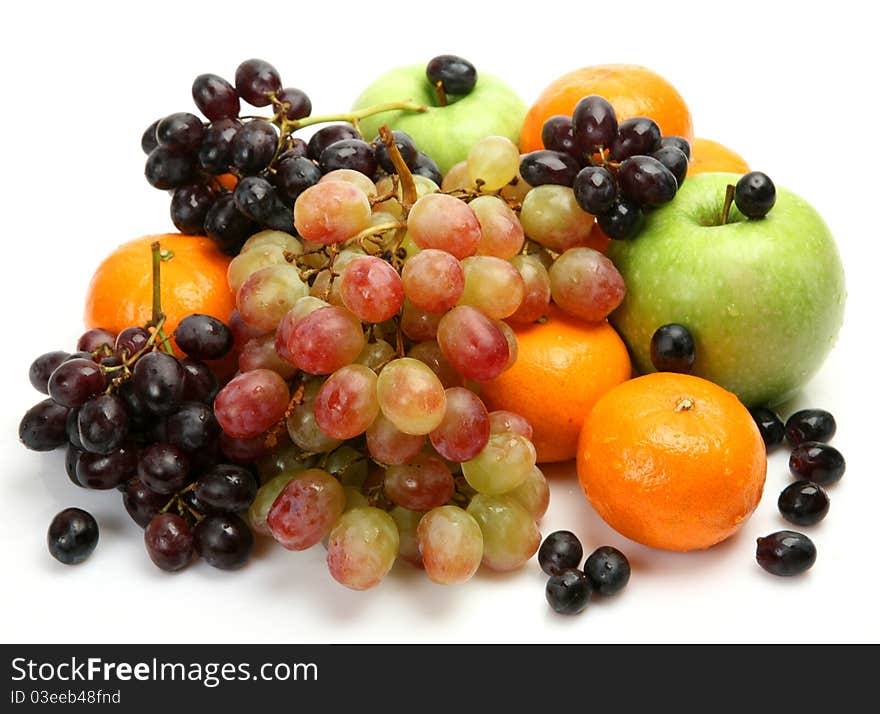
column 445, row 133
column 762, row 298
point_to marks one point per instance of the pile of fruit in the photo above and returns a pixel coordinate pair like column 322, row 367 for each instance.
column 369, row 339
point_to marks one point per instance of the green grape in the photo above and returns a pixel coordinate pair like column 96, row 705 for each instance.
column 493, row 162
column 533, row 493
column 493, row 285
column 282, row 240
column 510, row 536
column 407, row 524
column 502, row 465
column 552, row 217
column 281, row 459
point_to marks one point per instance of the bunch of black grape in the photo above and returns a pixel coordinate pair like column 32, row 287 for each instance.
column 233, row 176
column 617, row 171
column 136, row 418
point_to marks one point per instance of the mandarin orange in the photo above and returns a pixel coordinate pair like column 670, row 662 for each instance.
column 120, row 293
column 633, row 91
column 708, row 155
column 563, row 366
column 672, row 461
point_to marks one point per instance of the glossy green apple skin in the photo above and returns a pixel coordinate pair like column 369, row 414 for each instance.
column 764, row 299
column 446, row 134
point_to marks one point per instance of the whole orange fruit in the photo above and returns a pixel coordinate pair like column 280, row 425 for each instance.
column 708, row 155
column 120, row 293
column 562, row 368
column 672, row 461
column 633, row 91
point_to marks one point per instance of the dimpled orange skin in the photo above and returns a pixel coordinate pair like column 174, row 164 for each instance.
column 708, row 155
column 633, row 91
column 562, row 367
column 672, row 461
column 120, row 293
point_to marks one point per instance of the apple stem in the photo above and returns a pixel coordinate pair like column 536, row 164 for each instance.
column 409, row 195
column 288, row 125
column 441, row 94
column 728, row 200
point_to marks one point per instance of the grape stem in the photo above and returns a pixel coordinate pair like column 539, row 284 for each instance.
column 158, row 317
column 728, row 200
column 289, row 125
column 407, row 183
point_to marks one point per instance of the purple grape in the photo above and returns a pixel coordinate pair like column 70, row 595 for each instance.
column 295, row 103
column 44, row 426
column 169, row 541
column 215, row 97
column 636, row 136
column 594, row 123
column 255, row 80
column 42, row 367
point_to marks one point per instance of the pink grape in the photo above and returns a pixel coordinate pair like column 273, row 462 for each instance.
column 536, row 299
column 389, row 445
column 362, row 547
column 501, row 232
column 451, row 544
column 431, row 354
column 325, row 340
column 371, row 289
column 510, row 536
column 268, row 294
column 260, row 353
column 433, row 280
column 251, row 403
column 331, row 212
column 241, row 331
column 418, row 325
column 474, row 345
column 491, row 284
column 421, row 484
column 351, row 176
column 464, row 430
column 446, row 223
column 407, row 527
column 306, row 509
column 346, row 404
column 504, row 421
column 411, row 396
column 512, row 344
column 586, row 284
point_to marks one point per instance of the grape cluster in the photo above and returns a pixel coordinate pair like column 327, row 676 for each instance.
column 138, row 419
column 230, row 176
column 616, row 170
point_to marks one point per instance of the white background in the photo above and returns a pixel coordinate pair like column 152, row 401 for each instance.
column 792, row 90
